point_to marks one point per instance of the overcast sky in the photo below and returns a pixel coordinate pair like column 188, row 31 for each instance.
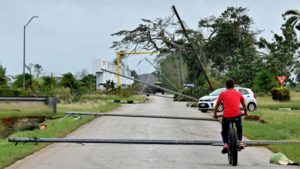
column 69, row 34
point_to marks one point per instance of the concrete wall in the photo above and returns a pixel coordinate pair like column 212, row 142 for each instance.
column 102, row 77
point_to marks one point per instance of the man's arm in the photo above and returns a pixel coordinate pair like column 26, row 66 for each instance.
column 216, row 109
column 219, row 100
column 244, row 107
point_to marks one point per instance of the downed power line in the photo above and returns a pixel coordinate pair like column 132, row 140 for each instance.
column 141, row 116
column 158, row 87
column 145, row 141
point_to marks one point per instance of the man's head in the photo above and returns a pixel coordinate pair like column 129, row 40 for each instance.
column 229, row 84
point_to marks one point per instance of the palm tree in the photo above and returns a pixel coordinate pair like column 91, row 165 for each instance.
column 293, row 18
column 49, row 82
column 3, row 77
column 29, row 81
column 69, row 81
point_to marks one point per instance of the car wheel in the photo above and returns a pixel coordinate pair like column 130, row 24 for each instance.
column 204, row 111
column 251, row 106
column 220, row 108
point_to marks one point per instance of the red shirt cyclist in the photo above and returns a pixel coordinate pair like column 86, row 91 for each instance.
column 231, row 100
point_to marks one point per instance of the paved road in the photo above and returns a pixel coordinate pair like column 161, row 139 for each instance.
column 115, row 156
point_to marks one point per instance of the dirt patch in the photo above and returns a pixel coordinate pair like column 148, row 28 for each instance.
column 254, row 118
column 20, row 123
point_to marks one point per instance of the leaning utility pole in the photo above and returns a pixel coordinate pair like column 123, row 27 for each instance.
column 193, row 48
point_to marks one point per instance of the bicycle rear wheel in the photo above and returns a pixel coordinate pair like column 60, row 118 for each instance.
column 233, row 146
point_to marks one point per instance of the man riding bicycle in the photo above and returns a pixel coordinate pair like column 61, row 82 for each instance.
column 231, row 100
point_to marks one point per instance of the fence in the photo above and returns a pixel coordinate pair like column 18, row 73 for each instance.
column 50, row 101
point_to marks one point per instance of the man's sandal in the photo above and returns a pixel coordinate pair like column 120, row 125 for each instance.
column 224, row 150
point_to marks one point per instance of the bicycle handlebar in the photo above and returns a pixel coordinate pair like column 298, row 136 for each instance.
column 242, row 114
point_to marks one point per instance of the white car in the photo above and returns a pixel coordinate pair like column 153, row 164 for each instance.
column 206, row 103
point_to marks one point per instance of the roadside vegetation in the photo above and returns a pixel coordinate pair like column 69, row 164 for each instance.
column 56, row 127
column 279, row 124
column 266, row 102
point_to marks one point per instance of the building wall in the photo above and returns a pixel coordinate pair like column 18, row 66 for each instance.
column 103, row 77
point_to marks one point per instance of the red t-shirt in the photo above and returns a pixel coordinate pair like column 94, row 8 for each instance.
column 231, row 100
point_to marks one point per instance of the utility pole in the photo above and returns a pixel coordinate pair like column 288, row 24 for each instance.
column 193, row 47
column 24, row 49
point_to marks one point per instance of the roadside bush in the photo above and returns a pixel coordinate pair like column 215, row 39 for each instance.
column 281, row 94
column 12, row 92
column 125, row 93
column 195, row 92
column 264, row 82
column 63, row 94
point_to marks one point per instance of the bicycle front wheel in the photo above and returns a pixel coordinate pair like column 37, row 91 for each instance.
column 233, row 147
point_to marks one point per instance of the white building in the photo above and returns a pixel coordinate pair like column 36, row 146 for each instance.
column 103, row 77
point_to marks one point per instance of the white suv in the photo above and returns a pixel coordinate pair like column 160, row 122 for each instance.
column 206, row 103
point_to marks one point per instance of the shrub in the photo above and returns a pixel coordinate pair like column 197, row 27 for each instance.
column 63, row 94
column 264, row 82
column 12, row 92
column 281, row 94
column 125, row 93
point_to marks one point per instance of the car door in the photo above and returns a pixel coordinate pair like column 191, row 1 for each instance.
column 247, row 96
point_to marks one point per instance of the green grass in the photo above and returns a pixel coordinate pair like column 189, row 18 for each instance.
column 264, row 102
column 55, row 128
column 92, row 106
column 23, row 110
column 280, row 125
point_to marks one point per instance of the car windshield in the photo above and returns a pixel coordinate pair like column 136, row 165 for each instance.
column 217, row 92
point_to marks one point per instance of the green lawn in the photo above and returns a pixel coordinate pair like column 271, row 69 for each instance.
column 23, row 109
column 280, row 124
column 264, row 102
column 55, row 127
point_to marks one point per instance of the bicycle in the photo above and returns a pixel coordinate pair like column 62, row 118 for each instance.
column 233, row 142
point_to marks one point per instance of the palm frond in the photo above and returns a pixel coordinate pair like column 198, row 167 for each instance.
column 292, row 12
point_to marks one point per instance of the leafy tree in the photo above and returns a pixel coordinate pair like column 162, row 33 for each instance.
column 297, row 72
column 282, row 51
column 264, row 81
column 88, row 83
column 231, row 44
column 29, row 82
column 3, row 77
column 165, row 36
column 69, row 81
column 49, row 82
